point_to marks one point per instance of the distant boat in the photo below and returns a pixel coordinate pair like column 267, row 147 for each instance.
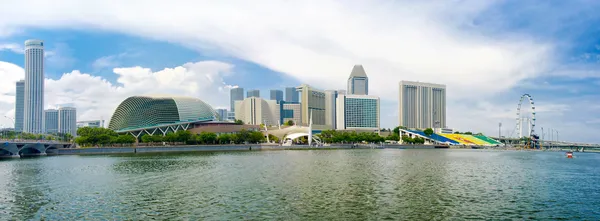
column 569, row 154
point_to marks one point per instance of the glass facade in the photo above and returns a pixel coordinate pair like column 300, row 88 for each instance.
column 253, row 93
column 235, row 94
column 291, row 95
column 277, row 95
column 146, row 111
column 19, row 105
column 361, row 112
column 51, row 121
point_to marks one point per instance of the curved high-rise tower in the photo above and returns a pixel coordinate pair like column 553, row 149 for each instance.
column 33, row 107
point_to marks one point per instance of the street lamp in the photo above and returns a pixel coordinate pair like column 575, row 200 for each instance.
column 14, row 123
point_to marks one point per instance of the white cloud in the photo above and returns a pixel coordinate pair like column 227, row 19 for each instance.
column 319, row 41
column 16, row 48
column 95, row 97
column 110, row 61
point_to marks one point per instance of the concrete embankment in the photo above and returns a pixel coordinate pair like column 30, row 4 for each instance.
column 200, row 148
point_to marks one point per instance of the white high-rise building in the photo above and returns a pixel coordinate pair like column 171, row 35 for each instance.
column 33, row 108
column 67, row 120
column 19, row 105
column 422, row 105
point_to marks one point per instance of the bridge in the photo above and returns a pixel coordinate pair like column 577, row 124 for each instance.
column 547, row 144
column 24, row 148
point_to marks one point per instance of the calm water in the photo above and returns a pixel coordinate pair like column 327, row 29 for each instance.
column 310, row 185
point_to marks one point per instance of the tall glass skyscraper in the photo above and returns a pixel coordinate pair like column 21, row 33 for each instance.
column 422, row 105
column 33, row 107
column 277, row 95
column 358, row 82
column 291, row 95
column 235, row 94
column 19, row 105
column 253, row 93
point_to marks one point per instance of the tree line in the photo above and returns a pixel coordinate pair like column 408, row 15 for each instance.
column 106, row 137
column 11, row 135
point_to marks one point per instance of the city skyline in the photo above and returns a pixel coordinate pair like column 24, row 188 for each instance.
column 487, row 65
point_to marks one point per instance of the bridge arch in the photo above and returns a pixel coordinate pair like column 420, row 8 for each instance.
column 32, row 149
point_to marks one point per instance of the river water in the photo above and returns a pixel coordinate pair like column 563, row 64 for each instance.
column 304, row 185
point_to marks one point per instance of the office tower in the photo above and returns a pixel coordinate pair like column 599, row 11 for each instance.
column 67, row 120
column 256, row 111
column 51, row 121
column 358, row 112
column 235, row 94
column 291, row 94
column 358, row 82
column 222, row 114
column 313, row 100
column 330, row 107
column 19, row 105
column 253, row 93
column 33, row 107
column 277, row 95
column 422, row 105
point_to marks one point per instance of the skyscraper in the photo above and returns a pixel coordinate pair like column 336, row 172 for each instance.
column 330, row 107
column 19, row 105
column 277, row 95
column 67, row 120
column 51, row 121
column 33, row 107
column 235, row 94
column 222, row 114
column 313, row 102
column 358, row 82
column 253, row 93
column 422, row 105
column 358, row 112
column 291, row 94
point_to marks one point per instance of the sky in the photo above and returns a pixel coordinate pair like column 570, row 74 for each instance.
column 488, row 53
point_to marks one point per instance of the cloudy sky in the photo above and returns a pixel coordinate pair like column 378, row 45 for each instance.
column 488, row 53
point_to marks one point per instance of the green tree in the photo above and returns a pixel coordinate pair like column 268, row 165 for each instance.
column 239, row 122
column 469, row 133
column 170, row 137
column 255, row 137
column 147, row 138
column 208, row 137
column 273, row 138
column 407, row 139
column 183, row 136
column 290, row 123
column 224, row 139
column 428, row 131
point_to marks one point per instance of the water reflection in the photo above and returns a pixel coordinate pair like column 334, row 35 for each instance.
column 312, row 185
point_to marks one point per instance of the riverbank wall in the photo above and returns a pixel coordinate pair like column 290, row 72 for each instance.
column 208, row 148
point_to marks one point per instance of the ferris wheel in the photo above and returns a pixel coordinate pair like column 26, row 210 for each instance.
column 529, row 117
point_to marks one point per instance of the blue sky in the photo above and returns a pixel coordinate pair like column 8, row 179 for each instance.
column 488, row 53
